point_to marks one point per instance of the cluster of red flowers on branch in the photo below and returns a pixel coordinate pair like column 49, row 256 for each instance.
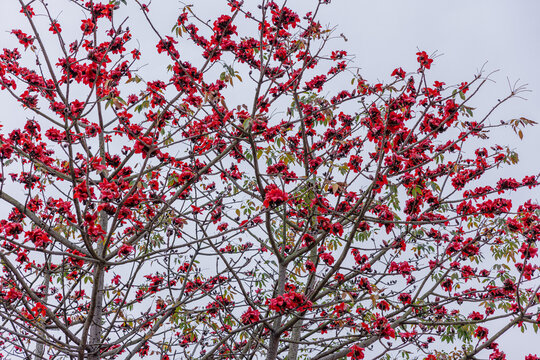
column 289, row 301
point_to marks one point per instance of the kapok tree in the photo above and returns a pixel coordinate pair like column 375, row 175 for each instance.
column 316, row 215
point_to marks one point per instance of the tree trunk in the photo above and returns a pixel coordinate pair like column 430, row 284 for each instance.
column 40, row 347
column 94, row 339
column 274, row 338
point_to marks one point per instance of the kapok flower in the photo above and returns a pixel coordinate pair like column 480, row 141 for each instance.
column 274, row 196
column 250, row 316
column 125, row 250
column 356, row 352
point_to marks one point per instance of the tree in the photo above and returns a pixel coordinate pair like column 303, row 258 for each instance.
column 315, row 216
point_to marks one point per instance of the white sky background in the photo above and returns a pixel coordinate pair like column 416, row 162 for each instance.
column 386, row 34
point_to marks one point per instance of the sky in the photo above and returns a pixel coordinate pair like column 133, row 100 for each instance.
column 466, row 35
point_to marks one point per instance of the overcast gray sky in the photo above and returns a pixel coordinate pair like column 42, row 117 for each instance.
column 386, row 34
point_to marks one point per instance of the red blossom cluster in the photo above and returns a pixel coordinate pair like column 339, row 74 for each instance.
column 289, row 301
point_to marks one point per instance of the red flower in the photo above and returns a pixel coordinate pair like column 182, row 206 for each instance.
column 24, row 39
column 447, row 284
column 27, row 10
column 250, row 316
column 327, row 258
column 39, row 309
column 383, row 305
column 291, row 300
column 125, row 250
column 424, row 60
column 527, row 251
column 385, row 330
column 274, row 196
column 38, row 237
column 307, row 240
column 13, row 294
column 115, row 280
column 87, row 26
column 399, row 73
column 481, row 333
column 405, row 298
column 82, row 192
column 316, row 83
column 340, row 308
column 55, row 28
column 356, row 352
column 277, row 304
column 336, row 229
column 497, row 355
